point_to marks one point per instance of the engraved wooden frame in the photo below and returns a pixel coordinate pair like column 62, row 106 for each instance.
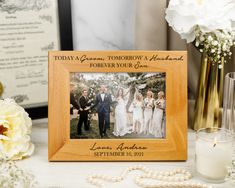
column 172, row 148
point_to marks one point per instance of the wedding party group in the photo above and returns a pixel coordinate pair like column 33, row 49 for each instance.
column 119, row 113
column 147, row 115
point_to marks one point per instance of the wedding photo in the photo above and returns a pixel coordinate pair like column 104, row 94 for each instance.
column 117, row 105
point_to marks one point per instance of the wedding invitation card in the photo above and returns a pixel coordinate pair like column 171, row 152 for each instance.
column 28, row 29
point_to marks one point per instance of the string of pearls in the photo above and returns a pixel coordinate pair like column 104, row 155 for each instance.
column 172, row 179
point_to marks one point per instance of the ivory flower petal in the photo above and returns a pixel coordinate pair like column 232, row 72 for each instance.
column 15, row 140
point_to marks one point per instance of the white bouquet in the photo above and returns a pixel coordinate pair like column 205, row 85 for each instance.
column 210, row 24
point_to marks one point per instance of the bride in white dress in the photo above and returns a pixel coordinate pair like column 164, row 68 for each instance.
column 159, row 106
column 148, row 112
column 137, row 114
column 120, row 124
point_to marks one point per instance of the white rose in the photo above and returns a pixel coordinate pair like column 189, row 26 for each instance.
column 210, row 15
column 15, row 129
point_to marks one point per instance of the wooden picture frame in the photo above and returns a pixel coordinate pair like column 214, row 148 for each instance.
column 173, row 147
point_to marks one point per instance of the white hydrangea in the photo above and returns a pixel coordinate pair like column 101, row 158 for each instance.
column 210, row 15
column 210, row 24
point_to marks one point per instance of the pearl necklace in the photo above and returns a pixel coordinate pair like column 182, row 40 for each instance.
column 173, row 179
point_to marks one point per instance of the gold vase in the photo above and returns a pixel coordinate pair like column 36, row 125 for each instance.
column 208, row 105
column 1, row 89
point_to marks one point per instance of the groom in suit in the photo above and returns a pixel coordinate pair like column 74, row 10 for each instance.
column 103, row 102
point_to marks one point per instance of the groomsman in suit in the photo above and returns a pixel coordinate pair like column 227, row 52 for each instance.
column 85, row 104
column 109, row 96
column 103, row 102
column 73, row 102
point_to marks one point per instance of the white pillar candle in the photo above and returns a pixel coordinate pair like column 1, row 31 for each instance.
column 214, row 149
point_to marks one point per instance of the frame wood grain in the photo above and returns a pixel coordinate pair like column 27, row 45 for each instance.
column 172, row 148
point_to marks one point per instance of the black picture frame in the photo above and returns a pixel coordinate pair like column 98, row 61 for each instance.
column 66, row 43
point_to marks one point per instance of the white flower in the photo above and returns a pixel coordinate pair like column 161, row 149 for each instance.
column 202, row 38
column 210, row 15
column 15, row 128
column 215, row 43
column 210, row 38
column 224, row 47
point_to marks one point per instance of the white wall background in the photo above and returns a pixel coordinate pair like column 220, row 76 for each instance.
column 103, row 24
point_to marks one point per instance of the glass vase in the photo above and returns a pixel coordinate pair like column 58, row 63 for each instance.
column 229, row 102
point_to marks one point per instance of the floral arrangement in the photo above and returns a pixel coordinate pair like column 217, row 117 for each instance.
column 210, row 24
column 15, row 129
column 11, row 176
